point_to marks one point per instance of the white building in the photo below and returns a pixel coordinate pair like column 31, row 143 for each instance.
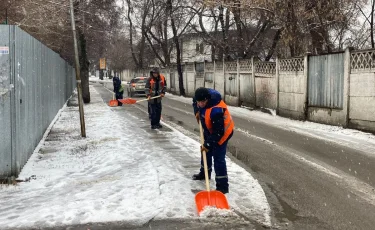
column 193, row 49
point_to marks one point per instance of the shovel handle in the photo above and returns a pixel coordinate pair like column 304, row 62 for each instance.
column 148, row 99
column 204, row 159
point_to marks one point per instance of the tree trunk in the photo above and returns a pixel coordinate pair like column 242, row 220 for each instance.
column 227, row 21
column 101, row 74
column 213, row 53
column 141, row 51
column 85, row 65
column 131, row 33
column 83, row 60
column 154, row 50
column 222, row 23
column 237, row 18
column 167, row 56
column 178, row 53
column 276, row 39
column 178, row 50
column 255, row 38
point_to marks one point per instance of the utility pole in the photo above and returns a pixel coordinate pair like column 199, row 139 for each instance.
column 78, row 72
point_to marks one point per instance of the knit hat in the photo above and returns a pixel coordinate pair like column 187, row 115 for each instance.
column 202, row 94
column 155, row 70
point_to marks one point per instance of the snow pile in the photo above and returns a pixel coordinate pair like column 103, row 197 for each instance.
column 209, row 212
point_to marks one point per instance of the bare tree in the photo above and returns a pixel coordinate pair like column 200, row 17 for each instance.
column 369, row 18
column 49, row 22
column 120, row 57
column 317, row 26
column 157, row 33
column 137, row 15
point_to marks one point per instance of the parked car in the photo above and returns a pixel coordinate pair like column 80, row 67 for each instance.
column 137, row 87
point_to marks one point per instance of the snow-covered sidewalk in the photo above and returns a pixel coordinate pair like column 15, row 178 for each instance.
column 121, row 172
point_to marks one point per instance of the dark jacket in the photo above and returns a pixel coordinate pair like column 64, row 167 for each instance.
column 155, row 86
column 117, row 87
column 217, row 119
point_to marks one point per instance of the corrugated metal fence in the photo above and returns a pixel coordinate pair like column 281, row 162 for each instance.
column 326, row 81
column 35, row 82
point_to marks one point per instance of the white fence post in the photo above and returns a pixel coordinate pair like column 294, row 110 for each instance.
column 213, row 75
column 254, row 82
column 347, row 88
column 204, row 73
column 224, row 78
column 238, row 83
column 277, row 85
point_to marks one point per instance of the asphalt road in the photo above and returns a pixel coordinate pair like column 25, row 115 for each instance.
column 310, row 183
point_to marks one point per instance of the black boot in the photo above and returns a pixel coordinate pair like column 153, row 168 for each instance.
column 223, row 190
column 159, row 126
column 200, row 176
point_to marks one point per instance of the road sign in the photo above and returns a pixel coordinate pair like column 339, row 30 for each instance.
column 102, row 63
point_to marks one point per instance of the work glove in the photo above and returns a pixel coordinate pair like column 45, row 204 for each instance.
column 204, row 148
column 197, row 116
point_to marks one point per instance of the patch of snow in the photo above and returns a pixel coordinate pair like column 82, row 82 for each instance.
column 273, row 112
column 117, row 173
column 210, row 211
column 96, row 80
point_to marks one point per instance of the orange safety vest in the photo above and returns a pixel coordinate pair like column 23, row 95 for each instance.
column 161, row 84
column 228, row 121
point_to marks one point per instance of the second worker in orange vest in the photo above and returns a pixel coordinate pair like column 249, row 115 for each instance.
column 155, row 86
column 218, row 128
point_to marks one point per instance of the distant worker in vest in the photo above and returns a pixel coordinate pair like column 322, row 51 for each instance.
column 218, row 126
column 155, row 86
column 118, row 89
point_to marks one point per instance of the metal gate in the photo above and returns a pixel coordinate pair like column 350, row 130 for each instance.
column 231, row 79
column 231, row 84
column 35, row 82
column 5, row 103
column 326, row 81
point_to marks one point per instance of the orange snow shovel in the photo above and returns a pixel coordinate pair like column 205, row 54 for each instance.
column 209, row 198
column 131, row 101
column 113, row 102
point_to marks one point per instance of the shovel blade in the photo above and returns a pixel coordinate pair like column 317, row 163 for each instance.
column 113, row 103
column 210, row 198
column 128, row 101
